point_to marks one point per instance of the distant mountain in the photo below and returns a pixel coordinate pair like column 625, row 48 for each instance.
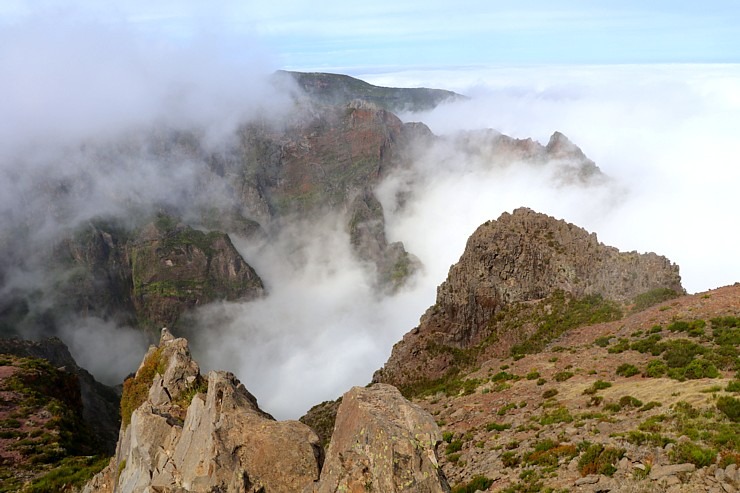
column 341, row 89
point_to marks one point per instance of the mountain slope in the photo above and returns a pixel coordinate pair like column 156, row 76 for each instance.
column 341, row 89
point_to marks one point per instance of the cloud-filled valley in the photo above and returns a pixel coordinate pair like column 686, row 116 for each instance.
column 88, row 111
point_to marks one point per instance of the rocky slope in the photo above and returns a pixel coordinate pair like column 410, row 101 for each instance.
column 647, row 403
column 520, row 264
column 184, row 432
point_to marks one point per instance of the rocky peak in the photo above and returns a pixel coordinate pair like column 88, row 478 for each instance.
column 522, row 257
column 182, row 432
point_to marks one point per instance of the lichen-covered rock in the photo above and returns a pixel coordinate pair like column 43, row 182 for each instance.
column 523, row 257
column 382, row 442
column 190, row 438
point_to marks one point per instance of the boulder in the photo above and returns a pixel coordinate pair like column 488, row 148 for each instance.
column 382, row 442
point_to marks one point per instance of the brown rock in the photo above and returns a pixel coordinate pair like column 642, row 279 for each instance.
column 382, row 442
column 521, row 258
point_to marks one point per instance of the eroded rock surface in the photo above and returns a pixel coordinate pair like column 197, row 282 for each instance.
column 186, row 437
column 382, row 442
column 521, row 258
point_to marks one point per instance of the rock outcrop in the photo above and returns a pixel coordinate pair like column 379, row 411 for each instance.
column 182, row 433
column 188, row 433
column 367, row 234
column 521, row 258
column 175, row 267
column 382, row 442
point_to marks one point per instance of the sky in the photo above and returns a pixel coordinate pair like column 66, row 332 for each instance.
column 346, row 36
column 649, row 90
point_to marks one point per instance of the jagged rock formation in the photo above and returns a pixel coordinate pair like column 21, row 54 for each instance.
column 182, row 432
column 341, row 89
column 187, row 433
column 382, row 442
column 522, row 257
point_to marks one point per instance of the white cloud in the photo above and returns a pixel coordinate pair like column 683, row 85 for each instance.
column 666, row 133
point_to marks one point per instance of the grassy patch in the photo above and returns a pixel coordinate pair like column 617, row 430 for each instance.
column 136, row 389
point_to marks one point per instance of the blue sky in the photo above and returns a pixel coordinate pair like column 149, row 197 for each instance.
column 360, row 37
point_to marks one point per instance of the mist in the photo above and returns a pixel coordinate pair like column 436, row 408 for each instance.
column 666, row 134
column 85, row 103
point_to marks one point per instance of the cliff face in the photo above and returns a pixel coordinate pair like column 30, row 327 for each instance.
column 183, row 432
column 519, row 259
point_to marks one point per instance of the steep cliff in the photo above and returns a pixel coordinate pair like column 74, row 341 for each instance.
column 512, row 267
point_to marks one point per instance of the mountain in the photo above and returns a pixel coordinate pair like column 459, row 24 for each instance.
column 342, row 89
column 514, row 273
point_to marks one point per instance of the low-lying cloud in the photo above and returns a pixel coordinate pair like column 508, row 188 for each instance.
column 84, row 101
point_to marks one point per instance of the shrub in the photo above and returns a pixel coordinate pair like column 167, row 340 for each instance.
column 596, row 386
column 597, row 459
column 602, row 341
column 629, row 401
column 652, row 297
column 730, row 407
column 655, row 368
column 620, row 347
column 478, row 483
column 690, row 452
column 497, row 427
column 733, row 386
column 533, row 375
column 650, row 405
column 559, row 415
column 562, row 376
column 612, row 407
column 510, row 459
column 700, row 368
column 447, row 436
column 650, row 344
column 453, row 446
column 627, row 370
column 549, row 393
column 541, row 381
column 136, row 389
column 680, row 352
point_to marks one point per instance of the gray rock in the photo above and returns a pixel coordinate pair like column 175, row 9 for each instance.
column 383, row 440
column 658, row 472
column 590, row 479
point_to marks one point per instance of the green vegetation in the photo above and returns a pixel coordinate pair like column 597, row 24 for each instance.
column 627, row 370
column 548, row 453
column 596, row 386
column 493, row 426
column 629, row 401
column 690, row 452
column 549, row 393
column 136, row 389
column 652, row 298
column 478, row 483
column 562, row 376
column 621, row 346
column 597, row 459
column 557, row 415
column 655, row 369
column 70, row 472
column 730, row 407
column 564, row 313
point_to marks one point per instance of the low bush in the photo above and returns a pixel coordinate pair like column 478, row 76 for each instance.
column 478, row 483
column 597, row 459
column 693, row 453
column 562, row 376
column 627, row 370
column 730, row 407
